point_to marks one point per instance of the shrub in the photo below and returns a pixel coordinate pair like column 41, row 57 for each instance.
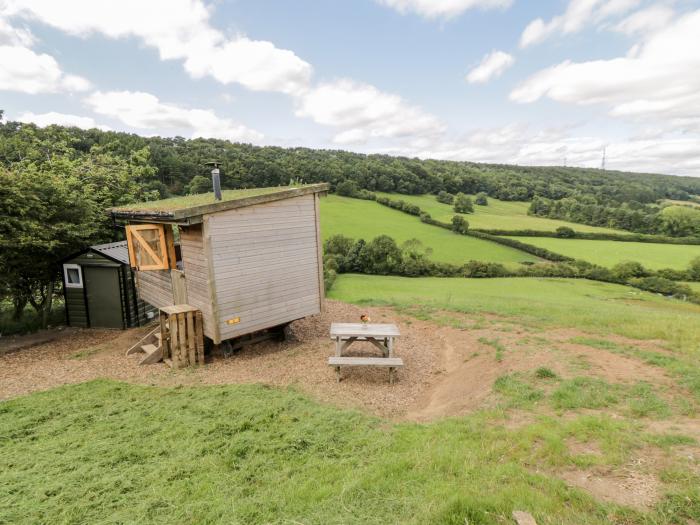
column 628, row 270
column 481, row 199
column 445, row 198
column 199, row 184
column 347, row 188
column 460, row 224
column 463, row 204
column 481, row 269
column 694, row 269
column 381, row 256
column 414, row 259
column 565, row 232
column 329, row 277
column 662, row 286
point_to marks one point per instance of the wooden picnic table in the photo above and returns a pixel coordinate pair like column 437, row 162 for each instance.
column 380, row 335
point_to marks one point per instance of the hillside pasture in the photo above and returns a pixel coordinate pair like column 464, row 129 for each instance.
column 577, row 303
column 360, row 219
column 608, row 253
column 497, row 215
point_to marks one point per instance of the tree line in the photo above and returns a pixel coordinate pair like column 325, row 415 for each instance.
column 56, row 182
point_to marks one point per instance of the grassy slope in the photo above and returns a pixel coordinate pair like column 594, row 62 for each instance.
column 588, row 305
column 106, row 452
column 609, row 253
column 366, row 219
column 497, row 215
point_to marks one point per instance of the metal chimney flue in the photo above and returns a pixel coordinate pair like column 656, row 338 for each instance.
column 215, row 179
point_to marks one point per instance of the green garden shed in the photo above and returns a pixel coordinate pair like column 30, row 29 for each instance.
column 99, row 289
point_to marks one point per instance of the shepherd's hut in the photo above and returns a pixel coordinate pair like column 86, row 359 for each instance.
column 247, row 262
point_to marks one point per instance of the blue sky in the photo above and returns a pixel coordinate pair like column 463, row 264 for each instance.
column 548, row 82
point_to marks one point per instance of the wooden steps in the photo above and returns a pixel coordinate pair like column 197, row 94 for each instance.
column 390, row 362
column 154, row 354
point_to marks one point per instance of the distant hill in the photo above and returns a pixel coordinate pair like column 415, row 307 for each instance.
column 600, row 198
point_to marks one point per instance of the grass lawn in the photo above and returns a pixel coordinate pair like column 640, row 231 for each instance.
column 107, row 452
column 587, row 305
column 366, row 219
column 609, row 253
column 503, row 215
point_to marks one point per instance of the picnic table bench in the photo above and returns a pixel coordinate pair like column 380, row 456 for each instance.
column 380, row 335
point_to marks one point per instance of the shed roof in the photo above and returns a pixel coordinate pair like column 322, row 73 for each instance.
column 114, row 250
column 195, row 206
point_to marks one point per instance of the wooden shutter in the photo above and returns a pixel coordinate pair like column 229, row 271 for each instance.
column 148, row 247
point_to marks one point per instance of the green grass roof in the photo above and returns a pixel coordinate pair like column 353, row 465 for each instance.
column 193, row 205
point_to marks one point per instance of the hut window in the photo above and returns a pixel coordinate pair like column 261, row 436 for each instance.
column 73, row 276
column 150, row 246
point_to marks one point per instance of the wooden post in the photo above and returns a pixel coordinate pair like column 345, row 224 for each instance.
column 191, row 347
column 174, row 341
column 164, row 335
column 199, row 337
column 182, row 339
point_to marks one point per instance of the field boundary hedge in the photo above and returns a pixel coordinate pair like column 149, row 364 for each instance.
column 595, row 236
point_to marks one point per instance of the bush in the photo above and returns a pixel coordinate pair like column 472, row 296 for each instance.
column 481, row 269
column 199, row 184
column 463, row 204
column 663, row 286
column 694, row 269
column 628, row 269
column 565, row 232
column 445, row 198
column 381, row 256
column 460, row 224
column 481, row 199
column 347, row 188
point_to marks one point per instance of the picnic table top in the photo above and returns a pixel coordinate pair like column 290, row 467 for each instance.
column 364, row 330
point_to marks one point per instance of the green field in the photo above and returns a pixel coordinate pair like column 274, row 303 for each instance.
column 362, row 219
column 498, row 215
column 608, row 253
column 577, row 303
column 107, row 452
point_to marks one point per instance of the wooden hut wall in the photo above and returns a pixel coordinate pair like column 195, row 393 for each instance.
column 196, row 268
column 265, row 264
column 155, row 287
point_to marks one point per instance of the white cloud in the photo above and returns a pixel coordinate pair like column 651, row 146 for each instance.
column 24, row 70
column 578, row 14
column 61, row 119
column 12, row 36
column 659, row 81
column 178, row 29
column 144, row 111
column 646, row 20
column 522, row 145
column 365, row 112
column 492, row 66
column 443, row 8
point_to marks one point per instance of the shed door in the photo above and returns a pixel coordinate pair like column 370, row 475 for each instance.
column 103, row 297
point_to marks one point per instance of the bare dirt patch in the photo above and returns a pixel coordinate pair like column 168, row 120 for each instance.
column 631, row 488
column 449, row 369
